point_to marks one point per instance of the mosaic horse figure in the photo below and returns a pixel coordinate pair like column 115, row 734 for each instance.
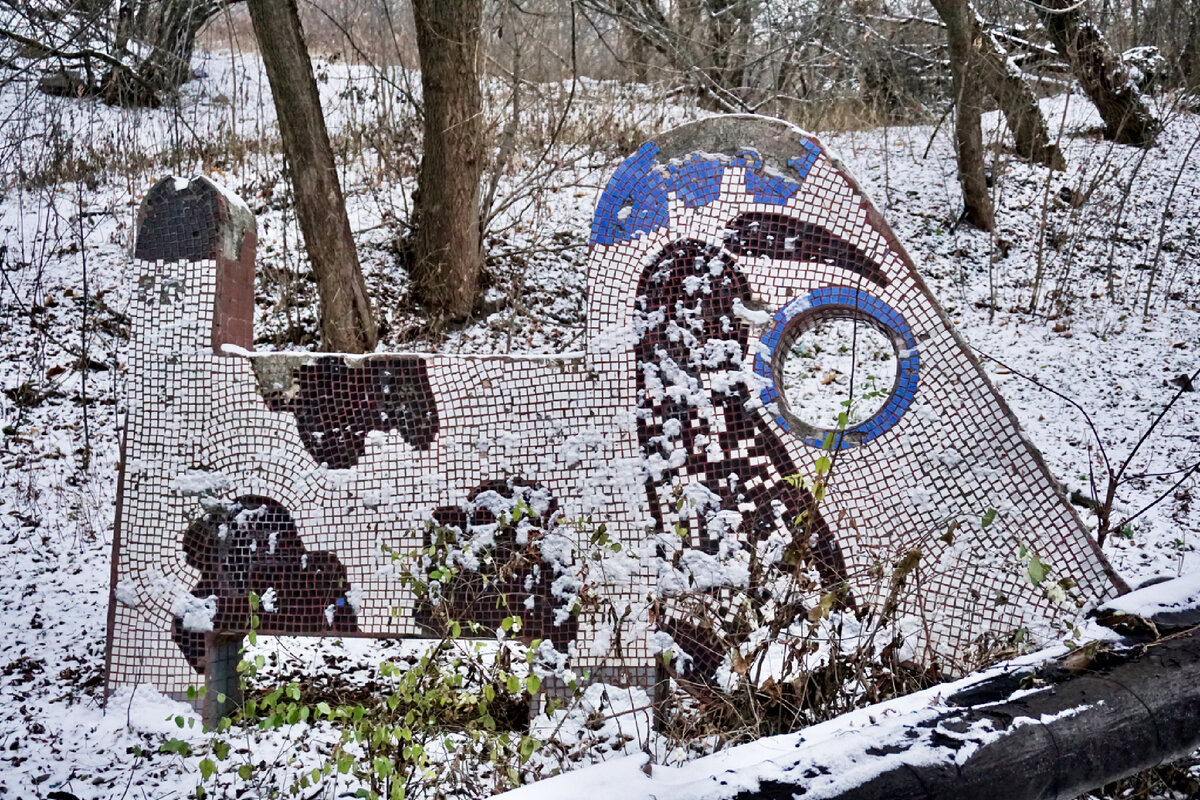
column 664, row 489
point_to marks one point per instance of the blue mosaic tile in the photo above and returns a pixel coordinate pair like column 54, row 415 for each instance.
column 634, row 201
column 804, row 163
column 884, row 315
column 696, row 182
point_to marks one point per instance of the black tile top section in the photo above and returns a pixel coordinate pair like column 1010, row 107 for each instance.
column 778, row 236
column 252, row 545
column 508, row 576
column 336, row 405
column 179, row 222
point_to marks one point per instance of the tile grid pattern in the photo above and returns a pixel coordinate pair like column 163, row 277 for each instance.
column 297, row 474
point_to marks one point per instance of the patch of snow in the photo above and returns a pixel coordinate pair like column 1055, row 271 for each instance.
column 1173, row 596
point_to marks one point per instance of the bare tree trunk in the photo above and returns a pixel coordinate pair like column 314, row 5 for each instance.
column 639, row 55
column 1016, row 99
column 448, row 250
column 174, row 37
column 705, row 41
column 1005, row 83
column 1127, row 119
column 165, row 31
column 125, row 21
column 346, row 322
column 961, row 34
column 1189, row 58
column 168, row 28
column 728, row 37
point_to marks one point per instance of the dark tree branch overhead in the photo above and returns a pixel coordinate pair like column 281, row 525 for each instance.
column 69, row 55
column 346, row 322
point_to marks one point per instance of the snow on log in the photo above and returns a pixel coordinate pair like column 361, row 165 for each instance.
column 1169, row 605
column 1052, row 728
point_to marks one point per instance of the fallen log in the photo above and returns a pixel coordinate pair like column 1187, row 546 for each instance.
column 1155, row 608
column 1049, row 728
column 1125, row 712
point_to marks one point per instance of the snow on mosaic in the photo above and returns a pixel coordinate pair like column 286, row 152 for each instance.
column 659, row 488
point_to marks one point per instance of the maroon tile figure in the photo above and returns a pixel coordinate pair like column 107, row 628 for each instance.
column 252, row 546
column 336, row 405
column 504, row 525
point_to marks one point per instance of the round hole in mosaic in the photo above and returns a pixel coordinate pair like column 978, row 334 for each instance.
column 809, row 313
column 836, row 364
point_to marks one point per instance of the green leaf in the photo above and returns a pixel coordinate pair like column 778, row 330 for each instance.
column 989, row 517
column 532, row 684
column 221, row 749
column 177, row 746
column 383, row 767
column 1037, row 571
column 823, row 464
column 245, row 771
column 207, row 768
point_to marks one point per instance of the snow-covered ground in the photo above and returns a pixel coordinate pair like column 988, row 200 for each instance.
column 73, row 175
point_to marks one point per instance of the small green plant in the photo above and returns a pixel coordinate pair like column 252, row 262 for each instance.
column 449, row 721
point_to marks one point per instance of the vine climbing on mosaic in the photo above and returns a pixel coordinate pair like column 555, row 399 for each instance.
column 674, row 439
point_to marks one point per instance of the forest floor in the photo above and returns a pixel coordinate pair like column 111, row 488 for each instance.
column 1091, row 286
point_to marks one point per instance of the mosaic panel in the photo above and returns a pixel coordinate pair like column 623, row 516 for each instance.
column 653, row 489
